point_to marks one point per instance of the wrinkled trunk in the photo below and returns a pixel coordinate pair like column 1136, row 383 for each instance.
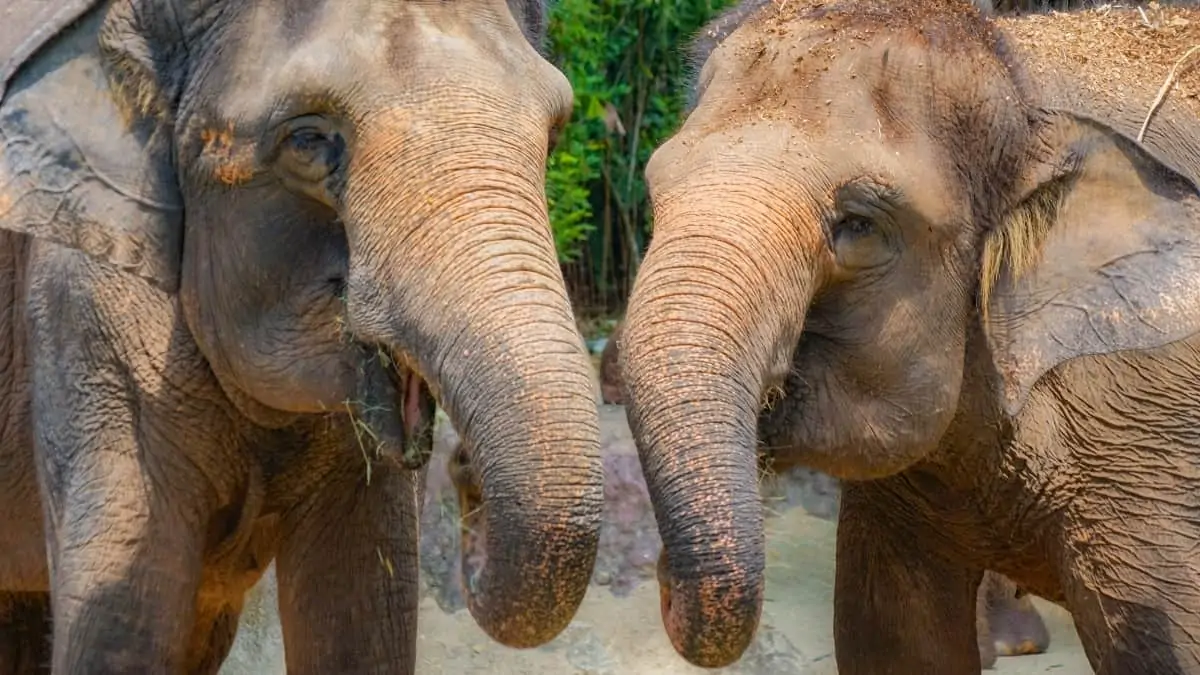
column 716, row 306
column 453, row 268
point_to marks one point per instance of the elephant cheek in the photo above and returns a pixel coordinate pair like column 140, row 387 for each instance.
column 271, row 395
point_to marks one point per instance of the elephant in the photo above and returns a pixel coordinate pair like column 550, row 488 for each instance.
column 951, row 260
column 1007, row 623
column 246, row 249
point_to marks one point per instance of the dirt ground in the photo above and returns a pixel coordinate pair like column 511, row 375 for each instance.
column 618, row 628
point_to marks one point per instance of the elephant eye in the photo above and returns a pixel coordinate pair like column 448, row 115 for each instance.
column 851, row 228
column 307, row 140
column 857, row 242
column 311, row 154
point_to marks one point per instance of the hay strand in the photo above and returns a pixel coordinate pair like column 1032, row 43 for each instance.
column 1162, row 91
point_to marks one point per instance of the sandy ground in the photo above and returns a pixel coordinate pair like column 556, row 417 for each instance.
column 618, row 629
column 612, row 635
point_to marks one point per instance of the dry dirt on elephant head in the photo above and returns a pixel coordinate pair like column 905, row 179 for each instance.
column 1152, row 46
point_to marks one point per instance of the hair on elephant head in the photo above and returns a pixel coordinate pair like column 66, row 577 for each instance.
column 347, row 199
column 860, row 188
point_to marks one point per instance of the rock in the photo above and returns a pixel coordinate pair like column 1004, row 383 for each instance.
column 441, row 568
column 817, row 493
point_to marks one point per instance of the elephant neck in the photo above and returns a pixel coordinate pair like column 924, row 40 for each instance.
column 987, row 470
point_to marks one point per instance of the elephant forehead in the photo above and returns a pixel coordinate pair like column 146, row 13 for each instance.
column 314, row 49
column 271, row 53
column 887, row 72
column 804, row 166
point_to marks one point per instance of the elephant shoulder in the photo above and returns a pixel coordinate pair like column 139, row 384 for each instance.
column 75, row 171
column 28, row 25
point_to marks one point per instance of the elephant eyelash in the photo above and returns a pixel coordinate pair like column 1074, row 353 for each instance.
column 869, row 191
column 864, row 199
column 853, row 225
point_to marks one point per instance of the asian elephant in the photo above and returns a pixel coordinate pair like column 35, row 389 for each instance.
column 247, row 245
column 1007, row 623
column 953, row 261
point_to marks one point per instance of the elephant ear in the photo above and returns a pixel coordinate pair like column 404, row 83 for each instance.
column 1103, row 255
column 30, row 24
column 84, row 164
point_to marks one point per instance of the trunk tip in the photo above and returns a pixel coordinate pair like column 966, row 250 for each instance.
column 538, row 608
column 524, row 586
column 711, row 621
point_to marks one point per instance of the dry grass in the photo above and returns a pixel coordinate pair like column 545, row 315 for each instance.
column 363, row 432
column 1125, row 53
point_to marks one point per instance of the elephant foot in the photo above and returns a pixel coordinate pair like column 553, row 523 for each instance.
column 24, row 633
column 987, row 652
column 1019, row 631
column 1016, row 627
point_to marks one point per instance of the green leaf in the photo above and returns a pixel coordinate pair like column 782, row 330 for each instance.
column 611, row 51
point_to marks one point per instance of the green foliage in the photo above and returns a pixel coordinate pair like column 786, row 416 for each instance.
column 626, row 63
column 568, row 196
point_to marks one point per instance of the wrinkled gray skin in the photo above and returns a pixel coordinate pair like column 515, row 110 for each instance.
column 893, row 245
column 247, row 244
column 1007, row 623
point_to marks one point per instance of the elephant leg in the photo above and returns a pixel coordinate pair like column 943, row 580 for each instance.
column 1134, row 594
column 125, row 569
column 24, row 633
column 899, row 607
column 347, row 573
column 212, row 637
column 983, row 628
column 137, row 452
column 1013, row 622
column 127, row 514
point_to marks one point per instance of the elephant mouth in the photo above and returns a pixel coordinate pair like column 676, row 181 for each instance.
column 394, row 409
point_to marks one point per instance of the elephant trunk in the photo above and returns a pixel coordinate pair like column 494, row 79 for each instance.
column 453, row 266
column 712, row 316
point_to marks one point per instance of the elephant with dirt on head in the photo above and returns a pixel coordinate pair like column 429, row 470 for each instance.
column 1007, row 623
column 247, row 246
column 915, row 248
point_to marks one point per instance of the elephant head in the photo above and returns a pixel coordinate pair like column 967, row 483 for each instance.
column 862, row 194
column 347, row 199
